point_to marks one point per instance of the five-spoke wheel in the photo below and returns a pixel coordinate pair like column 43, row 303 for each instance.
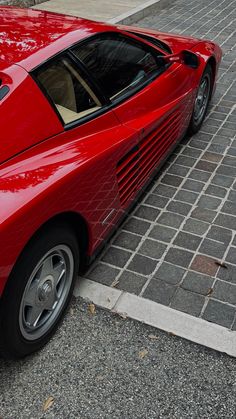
column 38, row 291
column 201, row 101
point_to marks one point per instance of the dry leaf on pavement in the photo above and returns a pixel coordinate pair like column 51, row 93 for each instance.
column 153, row 337
column 210, row 291
column 123, row 315
column 49, row 402
column 92, row 308
column 115, row 283
column 221, row 264
column 142, row 353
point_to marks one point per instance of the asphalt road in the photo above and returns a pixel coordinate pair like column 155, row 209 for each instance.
column 103, row 366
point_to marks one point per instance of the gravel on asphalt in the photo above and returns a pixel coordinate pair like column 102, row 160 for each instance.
column 103, row 366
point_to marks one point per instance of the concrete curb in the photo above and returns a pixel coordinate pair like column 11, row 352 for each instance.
column 140, row 12
column 157, row 315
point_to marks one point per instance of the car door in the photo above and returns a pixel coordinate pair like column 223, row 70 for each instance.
column 92, row 143
column 151, row 99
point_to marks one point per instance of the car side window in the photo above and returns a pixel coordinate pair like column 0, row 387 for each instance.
column 67, row 89
column 118, row 63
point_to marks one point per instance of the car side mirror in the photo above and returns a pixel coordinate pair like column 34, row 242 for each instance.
column 186, row 57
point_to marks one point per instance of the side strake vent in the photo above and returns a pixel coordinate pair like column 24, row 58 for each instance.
column 155, row 145
column 127, row 174
column 134, row 169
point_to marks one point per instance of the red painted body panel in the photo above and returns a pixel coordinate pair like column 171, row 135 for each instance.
column 95, row 169
column 26, row 116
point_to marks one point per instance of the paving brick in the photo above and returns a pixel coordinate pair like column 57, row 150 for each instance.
column 219, row 313
column 226, row 170
column 232, row 151
column 201, row 284
column 159, row 291
column 221, row 234
column 188, row 302
column 227, row 273
column 226, row 132
column 204, row 264
column 193, row 185
column 213, row 122
column 188, row 241
column 162, row 233
column 170, row 219
column 213, row 248
column 222, row 180
column 192, row 152
column 178, row 170
column 229, row 208
column 212, row 157
column 232, row 196
column 179, row 207
column 171, row 274
column 199, row 175
column 157, row 201
column 217, row 148
column 197, row 143
column 202, row 136
column 103, row 274
column 195, row 226
column 165, row 190
column 147, row 213
column 206, row 166
column 179, row 257
column 231, row 255
column 216, row 191
column 227, row 221
column 230, row 161
column 224, row 291
column 116, row 257
column 137, row 226
column 142, row 264
column 152, row 248
column 209, row 202
column 185, row 161
column 186, row 196
column 131, row 282
column 203, row 214
column 220, row 139
column 127, row 240
column 172, row 180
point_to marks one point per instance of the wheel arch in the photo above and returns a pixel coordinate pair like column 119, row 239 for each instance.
column 75, row 221
column 212, row 63
column 78, row 225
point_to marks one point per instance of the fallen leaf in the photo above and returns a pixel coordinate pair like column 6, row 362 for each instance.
column 153, row 337
column 92, row 308
column 210, row 291
column 115, row 283
column 49, row 402
column 123, row 315
column 221, row 264
column 72, row 311
column 142, row 353
column 171, row 334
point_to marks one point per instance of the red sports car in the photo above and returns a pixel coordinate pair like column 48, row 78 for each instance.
column 89, row 112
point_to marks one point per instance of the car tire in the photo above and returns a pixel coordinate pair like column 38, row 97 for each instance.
column 202, row 100
column 38, row 292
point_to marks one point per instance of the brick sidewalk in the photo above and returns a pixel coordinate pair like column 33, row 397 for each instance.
column 170, row 248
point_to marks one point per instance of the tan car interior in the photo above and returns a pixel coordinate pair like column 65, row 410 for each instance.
column 58, row 82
